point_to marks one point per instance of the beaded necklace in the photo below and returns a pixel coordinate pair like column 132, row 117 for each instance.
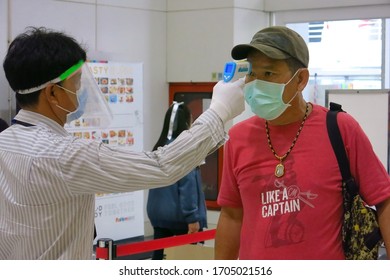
column 280, row 169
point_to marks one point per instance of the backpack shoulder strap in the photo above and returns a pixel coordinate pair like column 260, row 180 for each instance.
column 337, row 141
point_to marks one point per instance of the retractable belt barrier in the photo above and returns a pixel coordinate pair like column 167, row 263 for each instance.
column 107, row 250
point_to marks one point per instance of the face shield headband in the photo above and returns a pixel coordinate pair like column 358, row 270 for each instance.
column 94, row 107
column 61, row 78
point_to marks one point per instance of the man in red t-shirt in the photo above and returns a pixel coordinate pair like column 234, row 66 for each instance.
column 280, row 193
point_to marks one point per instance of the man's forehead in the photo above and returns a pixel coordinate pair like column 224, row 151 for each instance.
column 262, row 60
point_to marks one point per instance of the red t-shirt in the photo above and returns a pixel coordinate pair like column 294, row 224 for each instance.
column 297, row 216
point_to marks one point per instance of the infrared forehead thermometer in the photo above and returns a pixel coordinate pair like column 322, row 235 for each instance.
column 235, row 70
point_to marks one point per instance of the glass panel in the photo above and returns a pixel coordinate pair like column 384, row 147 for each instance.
column 343, row 55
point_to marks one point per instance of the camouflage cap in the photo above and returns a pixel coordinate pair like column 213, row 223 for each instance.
column 277, row 42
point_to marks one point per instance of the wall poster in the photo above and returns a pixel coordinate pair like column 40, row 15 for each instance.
column 117, row 216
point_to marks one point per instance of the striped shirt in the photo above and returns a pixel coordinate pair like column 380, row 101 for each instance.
column 48, row 181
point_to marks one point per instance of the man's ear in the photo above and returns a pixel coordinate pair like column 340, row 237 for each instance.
column 303, row 76
column 49, row 92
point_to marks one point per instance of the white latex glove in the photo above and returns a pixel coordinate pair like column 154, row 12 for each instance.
column 228, row 99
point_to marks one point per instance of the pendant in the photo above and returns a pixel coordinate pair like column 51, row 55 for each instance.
column 279, row 170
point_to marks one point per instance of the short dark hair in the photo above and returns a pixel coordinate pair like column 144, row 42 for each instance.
column 182, row 122
column 37, row 56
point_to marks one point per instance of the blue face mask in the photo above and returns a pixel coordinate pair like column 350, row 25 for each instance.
column 82, row 97
column 266, row 99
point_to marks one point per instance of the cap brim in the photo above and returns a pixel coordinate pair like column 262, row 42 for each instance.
column 241, row 51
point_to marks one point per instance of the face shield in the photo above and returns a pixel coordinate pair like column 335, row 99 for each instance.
column 92, row 109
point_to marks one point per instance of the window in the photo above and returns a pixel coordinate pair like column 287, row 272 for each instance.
column 344, row 54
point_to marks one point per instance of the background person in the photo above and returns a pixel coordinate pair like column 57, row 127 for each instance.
column 48, row 178
column 281, row 185
column 179, row 208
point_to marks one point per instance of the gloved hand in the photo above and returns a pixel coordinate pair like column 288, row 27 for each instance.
column 228, row 99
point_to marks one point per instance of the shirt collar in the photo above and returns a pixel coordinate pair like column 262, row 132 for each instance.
column 40, row 120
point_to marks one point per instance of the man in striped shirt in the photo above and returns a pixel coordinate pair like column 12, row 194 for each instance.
column 48, row 178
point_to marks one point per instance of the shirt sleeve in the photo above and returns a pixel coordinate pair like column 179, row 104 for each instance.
column 91, row 167
column 368, row 171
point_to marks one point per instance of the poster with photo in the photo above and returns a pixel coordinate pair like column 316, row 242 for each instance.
column 117, row 216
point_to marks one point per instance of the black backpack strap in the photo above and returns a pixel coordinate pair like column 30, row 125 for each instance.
column 337, row 142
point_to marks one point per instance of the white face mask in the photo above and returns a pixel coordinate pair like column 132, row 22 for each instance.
column 266, row 98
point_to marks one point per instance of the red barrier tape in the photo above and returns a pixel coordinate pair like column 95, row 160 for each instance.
column 102, row 253
column 156, row 244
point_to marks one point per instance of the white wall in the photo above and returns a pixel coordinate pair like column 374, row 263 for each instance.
column 201, row 35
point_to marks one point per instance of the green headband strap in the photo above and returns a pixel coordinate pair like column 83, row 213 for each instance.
column 71, row 70
column 62, row 77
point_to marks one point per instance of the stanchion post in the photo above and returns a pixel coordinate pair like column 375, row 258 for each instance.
column 109, row 245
